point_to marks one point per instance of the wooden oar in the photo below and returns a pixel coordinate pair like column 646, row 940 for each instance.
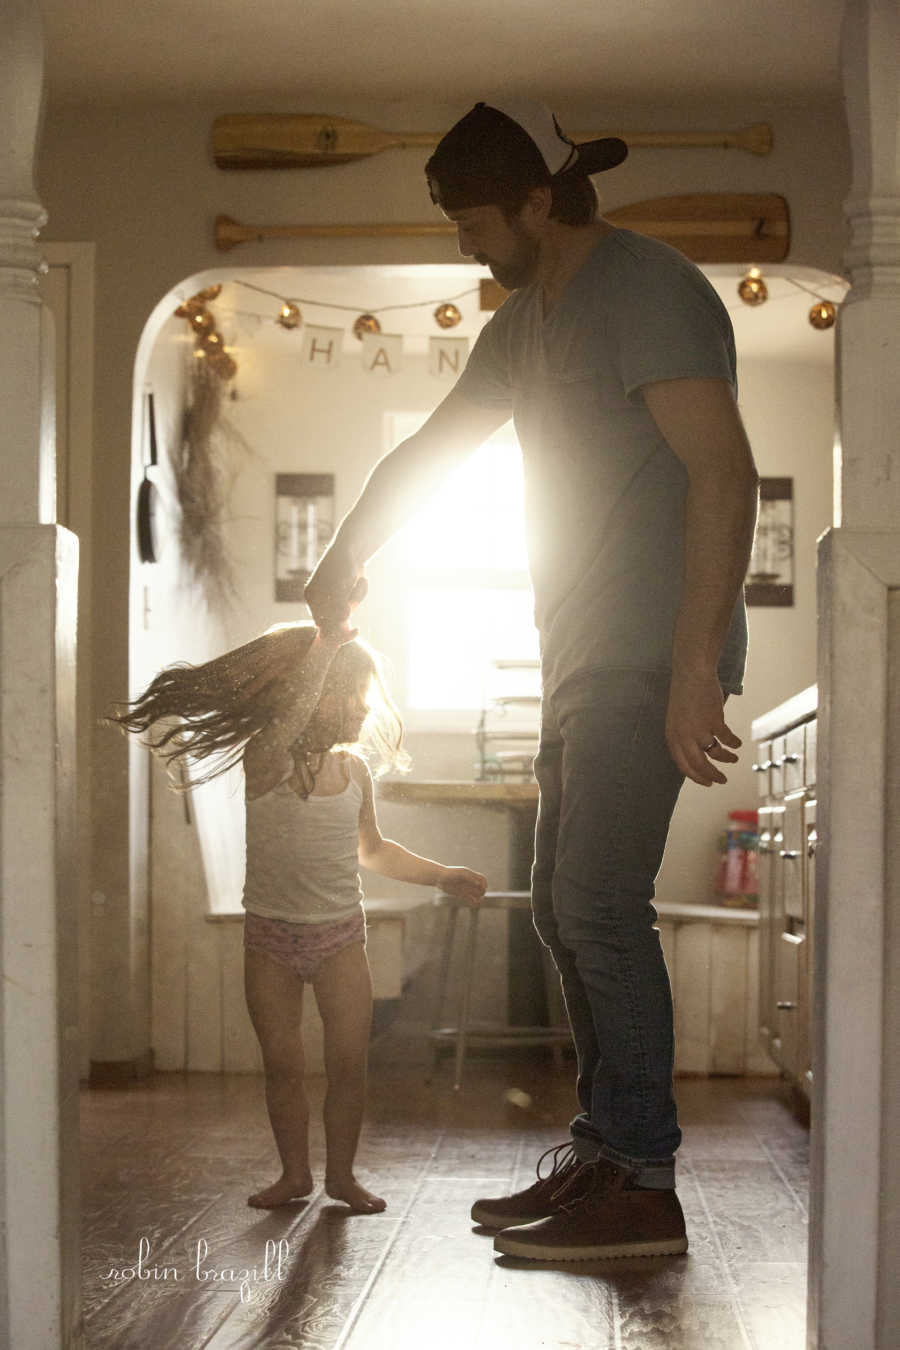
column 707, row 227
column 314, row 140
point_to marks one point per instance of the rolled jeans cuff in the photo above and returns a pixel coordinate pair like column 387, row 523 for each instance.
column 656, row 1174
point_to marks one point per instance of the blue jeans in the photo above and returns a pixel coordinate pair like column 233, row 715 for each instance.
column 608, row 787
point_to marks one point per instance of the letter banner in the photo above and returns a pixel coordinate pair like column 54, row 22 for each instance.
column 447, row 356
column 382, row 353
column 322, row 347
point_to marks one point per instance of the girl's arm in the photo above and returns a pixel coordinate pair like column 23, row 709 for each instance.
column 267, row 758
column 390, row 859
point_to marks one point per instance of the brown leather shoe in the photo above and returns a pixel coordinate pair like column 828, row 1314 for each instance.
column 536, row 1201
column 601, row 1214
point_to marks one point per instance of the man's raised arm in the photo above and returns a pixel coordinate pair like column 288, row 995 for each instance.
column 398, row 485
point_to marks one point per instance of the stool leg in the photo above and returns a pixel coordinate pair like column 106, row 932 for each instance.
column 443, row 977
column 465, row 997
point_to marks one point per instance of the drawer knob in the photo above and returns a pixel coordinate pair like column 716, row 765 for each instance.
column 791, row 759
column 788, row 853
column 785, row 1006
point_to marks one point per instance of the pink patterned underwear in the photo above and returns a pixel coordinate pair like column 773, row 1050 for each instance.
column 302, row 946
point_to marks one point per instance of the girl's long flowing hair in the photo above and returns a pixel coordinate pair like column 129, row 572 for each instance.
column 207, row 713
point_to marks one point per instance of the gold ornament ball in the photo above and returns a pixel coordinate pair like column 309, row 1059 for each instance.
column 208, row 293
column 447, row 316
column 211, row 343
column 290, row 316
column 203, row 321
column 753, row 290
column 823, row 315
column 366, row 323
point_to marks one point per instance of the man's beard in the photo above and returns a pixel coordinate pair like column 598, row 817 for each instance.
column 518, row 271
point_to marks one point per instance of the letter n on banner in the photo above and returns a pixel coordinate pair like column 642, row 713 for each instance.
column 382, row 353
column 322, row 347
column 447, row 356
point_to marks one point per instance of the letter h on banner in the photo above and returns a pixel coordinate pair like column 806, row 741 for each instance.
column 322, row 347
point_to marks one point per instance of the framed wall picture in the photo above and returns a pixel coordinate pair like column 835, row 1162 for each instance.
column 304, row 523
column 770, row 576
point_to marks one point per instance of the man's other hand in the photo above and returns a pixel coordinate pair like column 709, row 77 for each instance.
column 696, row 730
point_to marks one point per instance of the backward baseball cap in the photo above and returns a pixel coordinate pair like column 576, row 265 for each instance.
column 500, row 148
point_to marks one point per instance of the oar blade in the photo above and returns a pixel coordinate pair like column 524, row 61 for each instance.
column 711, row 227
column 293, row 140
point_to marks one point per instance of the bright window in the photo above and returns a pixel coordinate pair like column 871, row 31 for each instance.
column 468, row 593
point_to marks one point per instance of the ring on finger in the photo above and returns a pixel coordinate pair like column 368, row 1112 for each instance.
column 712, row 745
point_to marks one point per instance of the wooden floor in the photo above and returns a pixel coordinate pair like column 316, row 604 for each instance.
column 175, row 1260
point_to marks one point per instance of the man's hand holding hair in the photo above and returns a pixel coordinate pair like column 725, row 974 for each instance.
column 335, row 589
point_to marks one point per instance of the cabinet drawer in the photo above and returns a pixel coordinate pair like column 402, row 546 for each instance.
column 762, row 767
column 792, row 854
column 810, row 751
column 791, row 1006
column 776, row 772
column 812, row 840
column 771, row 841
column 794, row 759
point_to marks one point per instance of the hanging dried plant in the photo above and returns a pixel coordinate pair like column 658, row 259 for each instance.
column 203, row 467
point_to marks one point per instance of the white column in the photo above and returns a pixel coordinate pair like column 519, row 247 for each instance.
column 854, row 1290
column 40, row 1277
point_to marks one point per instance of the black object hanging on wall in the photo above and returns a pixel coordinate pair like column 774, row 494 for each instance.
column 148, row 503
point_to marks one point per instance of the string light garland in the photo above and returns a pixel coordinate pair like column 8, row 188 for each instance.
column 208, row 341
column 209, row 344
column 753, row 291
column 446, row 315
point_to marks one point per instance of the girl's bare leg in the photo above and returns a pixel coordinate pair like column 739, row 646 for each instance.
column 275, row 1003
column 343, row 989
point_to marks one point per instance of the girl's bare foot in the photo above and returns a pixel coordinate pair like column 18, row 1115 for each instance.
column 357, row 1197
column 283, row 1192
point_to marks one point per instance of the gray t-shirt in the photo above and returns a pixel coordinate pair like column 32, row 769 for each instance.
column 604, row 493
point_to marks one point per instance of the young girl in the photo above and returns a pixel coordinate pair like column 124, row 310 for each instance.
column 293, row 704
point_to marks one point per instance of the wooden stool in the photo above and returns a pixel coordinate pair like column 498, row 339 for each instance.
column 496, row 1034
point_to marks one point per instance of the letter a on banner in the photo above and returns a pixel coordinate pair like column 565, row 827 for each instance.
column 447, row 356
column 382, row 353
column 322, row 347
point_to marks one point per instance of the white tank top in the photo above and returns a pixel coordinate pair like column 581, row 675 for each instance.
column 302, row 860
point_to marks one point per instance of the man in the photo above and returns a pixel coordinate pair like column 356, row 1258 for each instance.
column 616, row 359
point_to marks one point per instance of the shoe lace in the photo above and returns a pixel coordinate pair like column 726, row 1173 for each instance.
column 563, row 1158
column 589, row 1178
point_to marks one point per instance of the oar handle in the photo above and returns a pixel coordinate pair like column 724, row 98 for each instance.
column 757, row 139
column 229, row 233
